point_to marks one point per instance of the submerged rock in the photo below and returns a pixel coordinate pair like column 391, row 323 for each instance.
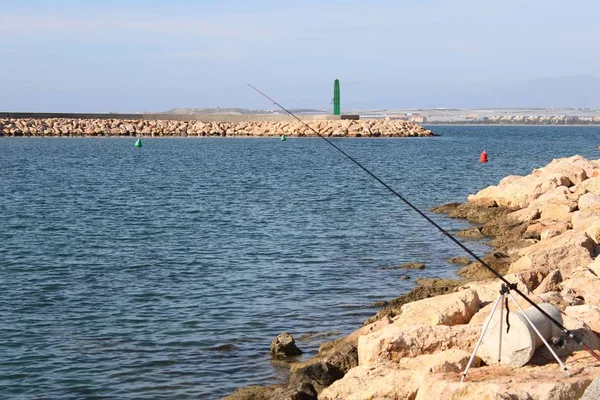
column 461, row 260
column 413, row 265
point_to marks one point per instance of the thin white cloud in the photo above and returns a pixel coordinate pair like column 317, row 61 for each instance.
column 144, row 24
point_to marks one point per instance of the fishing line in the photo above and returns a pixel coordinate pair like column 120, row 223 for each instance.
column 511, row 286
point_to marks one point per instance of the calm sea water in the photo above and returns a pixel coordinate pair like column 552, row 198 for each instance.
column 165, row 271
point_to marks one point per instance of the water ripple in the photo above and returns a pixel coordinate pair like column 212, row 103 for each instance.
column 164, row 272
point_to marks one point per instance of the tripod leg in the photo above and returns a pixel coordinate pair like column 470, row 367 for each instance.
column 501, row 327
column 485, row 327
column 539, row 334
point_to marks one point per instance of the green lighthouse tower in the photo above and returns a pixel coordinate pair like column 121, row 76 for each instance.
column 336, row 97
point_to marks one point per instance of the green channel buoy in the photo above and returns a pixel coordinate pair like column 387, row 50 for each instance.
column 283, row 138
column 138, row 143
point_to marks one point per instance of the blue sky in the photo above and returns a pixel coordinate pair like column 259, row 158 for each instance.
column 129, row 56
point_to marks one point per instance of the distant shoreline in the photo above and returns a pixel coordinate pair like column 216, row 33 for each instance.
column 488, row 124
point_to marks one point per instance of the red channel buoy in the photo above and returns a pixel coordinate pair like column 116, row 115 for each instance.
column 483, row 157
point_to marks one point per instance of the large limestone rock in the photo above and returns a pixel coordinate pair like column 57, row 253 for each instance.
column 564, row 167
column 502, row 382
column 584, row 284
column 581, row 220
column 551, row 283
column 517, row 191
column 373, row 383
column 397, row 381
column 587, row 222
column 591, row 167
column 594, row 266
column 593, row 391
column 524, row 215
column 488, row 290
column 589, row 203
column 395, row 342
column 565, row 252
column 274, row 392
column 558, row 195
column 592, row 185
column 521, row 191
column 450, row 309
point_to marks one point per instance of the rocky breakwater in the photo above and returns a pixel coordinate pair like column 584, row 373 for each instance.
column 546, row 237
column 119, row 127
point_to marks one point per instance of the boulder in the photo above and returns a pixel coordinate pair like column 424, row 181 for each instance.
column 395, row 342
column 274, row 392
column 563, row 167
column 594, row 266
column 589, row 203
column 342, row 353
column 318, row 375
column 557, row 212
column 522, row 216
column 553, row 231
column 591, row 185
column 449, row 309
column 372, row 383
column 587, row 313
column 593, row 391
column 284, row 345
column 585, row 286
column 551, row 283
column 534, row 231
column 592, row 228
column 591, row 167
column 565, row 252
column 398, row 381
column 488, row 290
column 497, row 260
column 558, row 195
column 519, row 192
column 503, row 382
column 581, row 220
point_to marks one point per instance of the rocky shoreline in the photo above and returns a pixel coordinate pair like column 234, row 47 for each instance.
column 122, row 127
column 545, row 230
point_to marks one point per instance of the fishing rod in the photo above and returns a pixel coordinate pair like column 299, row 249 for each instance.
column 509, row 285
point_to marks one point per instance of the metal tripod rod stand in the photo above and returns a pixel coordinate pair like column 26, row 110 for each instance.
column 505, row 291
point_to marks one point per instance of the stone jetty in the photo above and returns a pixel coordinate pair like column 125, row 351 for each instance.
column 546, row 239
column 124, row 127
